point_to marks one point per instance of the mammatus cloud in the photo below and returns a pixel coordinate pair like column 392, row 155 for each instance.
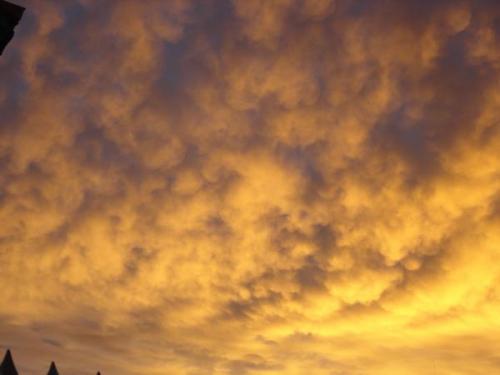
column 252, row 187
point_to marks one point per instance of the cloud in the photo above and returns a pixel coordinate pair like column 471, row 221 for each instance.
column 251, row 187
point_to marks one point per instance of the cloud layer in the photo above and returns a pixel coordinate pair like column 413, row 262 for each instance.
column 252, row 187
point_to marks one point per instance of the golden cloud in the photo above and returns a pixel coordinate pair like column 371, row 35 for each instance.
column 252, row 187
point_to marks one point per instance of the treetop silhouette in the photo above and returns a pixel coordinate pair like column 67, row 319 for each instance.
column 7, row 367
column 53, row 369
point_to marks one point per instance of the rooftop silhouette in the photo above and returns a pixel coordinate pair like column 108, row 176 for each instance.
column 10, row 15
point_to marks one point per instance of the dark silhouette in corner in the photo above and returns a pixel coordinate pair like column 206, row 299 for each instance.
column 10, row 15
column 7, row 366
column 53, row 369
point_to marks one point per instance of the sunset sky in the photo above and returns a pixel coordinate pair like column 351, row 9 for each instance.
column 251, row 187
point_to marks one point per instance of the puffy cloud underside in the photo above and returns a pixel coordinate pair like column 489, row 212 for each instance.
column 252, row 187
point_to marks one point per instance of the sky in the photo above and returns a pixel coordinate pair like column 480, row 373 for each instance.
column 251, row 187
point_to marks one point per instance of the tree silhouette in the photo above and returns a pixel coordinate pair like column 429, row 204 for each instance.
column 7, row 367
column 53, row 369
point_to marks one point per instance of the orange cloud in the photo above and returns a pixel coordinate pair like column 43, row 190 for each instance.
column 251, row 187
